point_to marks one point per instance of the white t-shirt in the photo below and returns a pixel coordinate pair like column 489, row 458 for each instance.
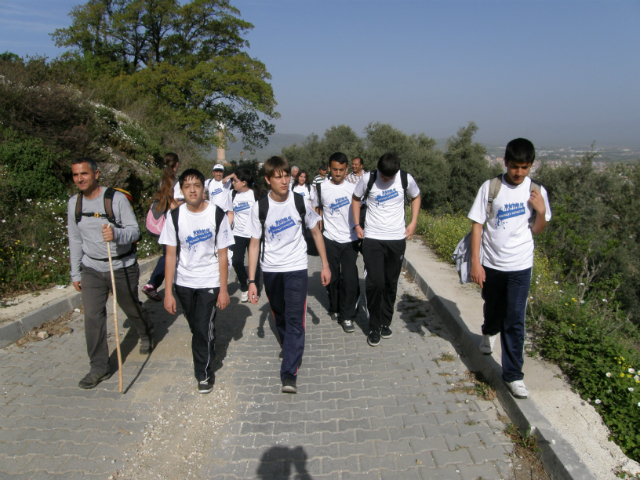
column 198, row 263
column 336, row 211
column 285, row 246
column 385, row 206
column 177, row 192
column 507, row 241
column 307, row 194
column 241, row 210
column 220, row 193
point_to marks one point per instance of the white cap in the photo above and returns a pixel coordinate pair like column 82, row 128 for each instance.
column 217, row 166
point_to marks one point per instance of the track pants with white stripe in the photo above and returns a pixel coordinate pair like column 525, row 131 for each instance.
column 199, row 306
column 287, row 294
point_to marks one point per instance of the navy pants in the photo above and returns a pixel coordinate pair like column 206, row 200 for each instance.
column 383, row 264
column 505, row 306
column 239, row 248
column 344, row 287
column 199, row 306
column 287, row 294
column 157, row 277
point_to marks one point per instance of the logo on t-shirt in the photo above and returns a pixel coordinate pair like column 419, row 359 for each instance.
column 280, row 226
column 338, row 204
column 241, row 206
column 509, row 210
column 216, row 192
column 386, row 195
column 198, row 237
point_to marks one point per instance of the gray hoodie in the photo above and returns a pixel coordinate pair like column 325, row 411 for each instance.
column 85, row 238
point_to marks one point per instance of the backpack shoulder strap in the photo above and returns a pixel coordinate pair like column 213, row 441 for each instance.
column 233, row 194
column 404, row 178
column 372, row 179
column 319, row 193
column 175, row 214
column 302, row 210
column 219, row 217
column 534, row 187
column 79, row 208
column 108, row 205
column 494, row 189
column 263, row 210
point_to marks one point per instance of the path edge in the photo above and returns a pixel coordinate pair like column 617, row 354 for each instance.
column 13, row 331
column 560, row 460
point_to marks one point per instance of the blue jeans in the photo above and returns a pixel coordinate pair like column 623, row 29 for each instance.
column 505, row 305
column 157, row 277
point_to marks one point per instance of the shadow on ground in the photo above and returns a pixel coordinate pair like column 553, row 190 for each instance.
column 279, row 463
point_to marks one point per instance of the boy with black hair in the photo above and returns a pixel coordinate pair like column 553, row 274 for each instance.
column 503, row 223
column 197, row 235
column 333, row 201
column 279, row 220
column 384, row 237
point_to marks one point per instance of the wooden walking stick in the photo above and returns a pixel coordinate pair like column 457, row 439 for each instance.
column 115, row 317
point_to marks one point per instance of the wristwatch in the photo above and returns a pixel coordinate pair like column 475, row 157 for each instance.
column 251, row 281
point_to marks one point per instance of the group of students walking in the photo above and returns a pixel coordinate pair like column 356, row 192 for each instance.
column 342, row 215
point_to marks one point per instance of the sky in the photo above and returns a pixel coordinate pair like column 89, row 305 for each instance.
column 559, row 72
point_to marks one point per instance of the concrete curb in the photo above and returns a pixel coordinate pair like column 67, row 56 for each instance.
column 558, row 456
column 13, row 331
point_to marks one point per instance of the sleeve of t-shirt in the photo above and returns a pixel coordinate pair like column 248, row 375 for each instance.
column 412, row 187
column 478, row 212
column 177, row 193
column 224, row 238
column 547, row 215
column 253, row 227
column 311, row 218
column 312, row 196
column 168, row 234
column 361, row 186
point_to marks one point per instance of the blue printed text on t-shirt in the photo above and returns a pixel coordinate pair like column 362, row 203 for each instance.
column 510, row 210
column 241, row 206
column 198, row 236
column 339, row 203
column 281, row 225
column 216, row 192
column 386, row 195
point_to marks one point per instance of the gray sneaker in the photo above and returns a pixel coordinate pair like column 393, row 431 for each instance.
column 347, row 326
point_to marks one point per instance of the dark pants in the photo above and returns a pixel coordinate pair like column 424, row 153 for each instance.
column 239, row 249
column 383, row 264
column 287, row 294
column 344, row 286
column 95, row 292
column 157, row 277
column 199, row 306
column 505, row 304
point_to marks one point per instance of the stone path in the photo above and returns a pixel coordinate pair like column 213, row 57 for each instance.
column 400, row 410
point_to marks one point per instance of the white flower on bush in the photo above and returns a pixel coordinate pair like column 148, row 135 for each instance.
column 608, row 374
column 632, row 371
column 637, row 378
column 605, row 300
column 639, row 404
column 556, row 282
column 630, row 389
column 598, row 401
column 581, row 301
column 582, row 284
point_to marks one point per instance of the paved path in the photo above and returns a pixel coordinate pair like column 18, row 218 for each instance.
column 385, row 412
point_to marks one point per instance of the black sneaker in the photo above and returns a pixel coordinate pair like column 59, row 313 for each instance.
column 385, row 332
column 347, row 326
column 205, row 386
column 146, row 343
column 334, row 316
column 374, row 338
column 289, row 385
column 91, row 380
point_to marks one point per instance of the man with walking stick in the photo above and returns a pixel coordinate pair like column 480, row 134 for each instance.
column 99, row 218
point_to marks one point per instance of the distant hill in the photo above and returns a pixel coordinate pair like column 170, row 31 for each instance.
column 277, row 142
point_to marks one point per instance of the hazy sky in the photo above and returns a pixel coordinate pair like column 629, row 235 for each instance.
column 557, row 72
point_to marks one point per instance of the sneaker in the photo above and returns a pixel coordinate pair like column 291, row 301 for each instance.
column 244, row 297
column 334, row 316
column 289, row 385
column 518, row 389
column 347, row 326
column 91, row 380
column 385, row 332
column 374, row 338
column 486, row 345
column 205, row 386
column 150, row 291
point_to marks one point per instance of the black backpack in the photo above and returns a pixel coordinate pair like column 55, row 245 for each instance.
column 263, row 210
column 108, row 208
column 175, row 215
column 372, row 179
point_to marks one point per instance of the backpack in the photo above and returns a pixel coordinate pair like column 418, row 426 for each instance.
column 404, row 179
column 462, row 254
column 175, row 215
column 108, row 208
column 155, row 220
column 263, row 210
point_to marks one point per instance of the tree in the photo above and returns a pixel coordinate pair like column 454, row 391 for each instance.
column 188, row 58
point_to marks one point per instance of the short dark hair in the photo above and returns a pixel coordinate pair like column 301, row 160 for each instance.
column 89, row 161
column 322, row 167
column 520, row 150
column 276, row 164
column 389, row 164
column 358, row 158
column 191, row 172
column 339, row 157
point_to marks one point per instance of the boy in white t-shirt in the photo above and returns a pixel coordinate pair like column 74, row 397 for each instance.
column 333, row 202
column 519, row 209
column 385, row 237
column 277, row 221
column 203, row 235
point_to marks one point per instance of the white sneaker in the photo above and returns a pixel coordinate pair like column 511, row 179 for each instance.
column 518, row 389
column 486, row 345
column 244, row 297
